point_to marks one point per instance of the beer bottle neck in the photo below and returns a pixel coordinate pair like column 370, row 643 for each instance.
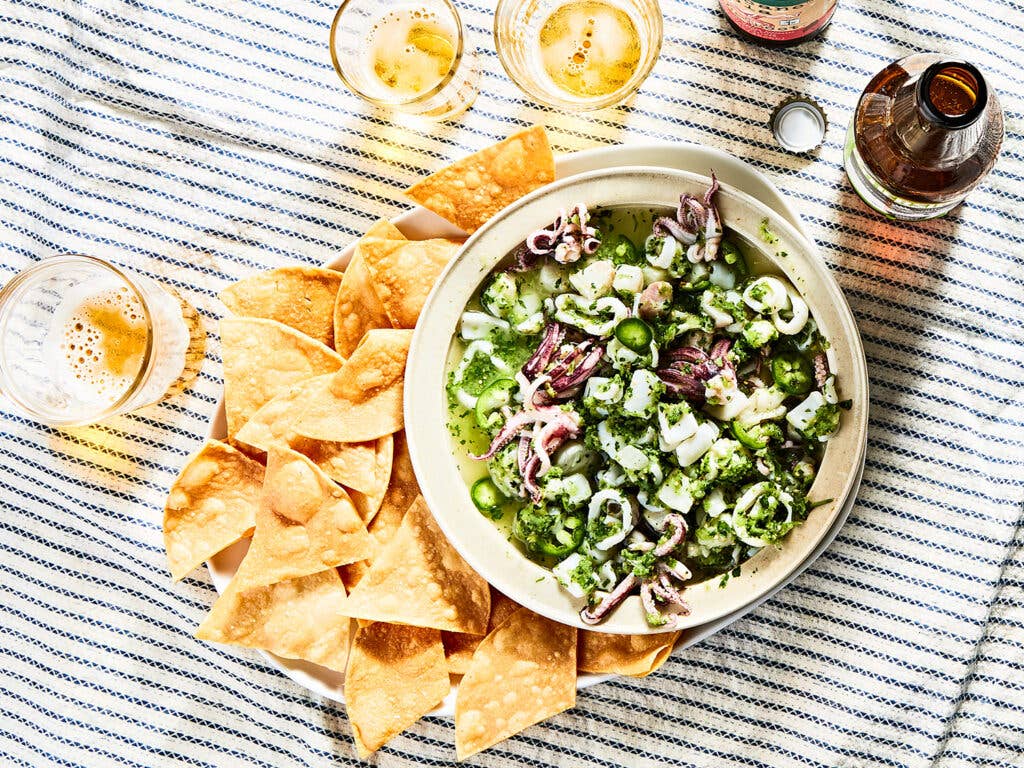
column 940, row 117
column 951, row 95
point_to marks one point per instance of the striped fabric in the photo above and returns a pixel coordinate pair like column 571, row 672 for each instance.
column 198, row 140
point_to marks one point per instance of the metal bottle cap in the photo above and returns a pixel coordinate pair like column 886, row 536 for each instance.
column 799, row 124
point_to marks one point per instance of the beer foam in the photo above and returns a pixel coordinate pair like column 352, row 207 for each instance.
column 410, row 49
column 103, row 338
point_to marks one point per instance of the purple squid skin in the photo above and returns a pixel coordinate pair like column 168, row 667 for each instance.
column 515, row 424
column 685, row 355
column 820, row 369
column 694, row 212
column 679, row 528
column 720, row 349
column 616, row 596
column 552, row 339
column 670, row 227
column 577, row 239
column 569, row 358
column 655, row 300
column 584, row 370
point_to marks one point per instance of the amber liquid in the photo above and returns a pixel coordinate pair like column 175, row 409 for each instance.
column 920, row 153
column 411, row 50
column 589, row 48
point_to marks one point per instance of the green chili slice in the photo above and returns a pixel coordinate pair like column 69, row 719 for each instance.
column 486, row 496
column 488, row 405
column 751, row 437
column 635, row 334
column 793, row 373
column 546, row 533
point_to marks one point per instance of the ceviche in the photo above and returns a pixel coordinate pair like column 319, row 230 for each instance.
column 650, row 410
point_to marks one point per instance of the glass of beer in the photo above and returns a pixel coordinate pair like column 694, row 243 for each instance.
column 578, row 54
column 406, row 57
column 82, row 340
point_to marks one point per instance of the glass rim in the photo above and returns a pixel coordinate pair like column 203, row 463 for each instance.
column 418, row 98
column 613, row 99
column 145, row 367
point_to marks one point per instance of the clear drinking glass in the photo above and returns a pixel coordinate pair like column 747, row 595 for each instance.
column 408, row 57
column 82, row 340
column 578, row 54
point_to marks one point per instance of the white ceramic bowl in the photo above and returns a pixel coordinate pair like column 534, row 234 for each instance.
column 483, row 545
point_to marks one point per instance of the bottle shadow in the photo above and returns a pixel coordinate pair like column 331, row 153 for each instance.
column 880, row 261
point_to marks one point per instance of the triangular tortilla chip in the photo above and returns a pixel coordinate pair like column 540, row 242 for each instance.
column 404, row 272
column 523, row 672
column 384, row 229
column 501, row 608
column 458, row 650
column 357, row 308
column 297, row 619
column 368, row 502
column 305, row 524
column 262, row 359
column 363, row 468
column 470, row 191
column 300, row 297
column 633, row 655
column 419, row 579
column 364, row 400
column 402, row 492
column 211, row 505
column 358, row 466
column 395, row 676
column 459, row 647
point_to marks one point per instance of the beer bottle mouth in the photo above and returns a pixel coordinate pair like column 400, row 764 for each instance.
column 952, row 94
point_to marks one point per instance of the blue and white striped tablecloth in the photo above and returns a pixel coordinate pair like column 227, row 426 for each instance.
column 199, row 140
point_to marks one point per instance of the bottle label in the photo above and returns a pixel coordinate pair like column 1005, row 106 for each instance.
column 779, row 19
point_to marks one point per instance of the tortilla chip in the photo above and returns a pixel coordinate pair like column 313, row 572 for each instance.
column 395, row 676
column 211, row 505
column 359, row 466
column 262, row 359
column 633, row 655
column 357, row 308
column 419, row 579
column 368, row 501
column 523, row 672
column 382, row 529
column 402, row 492
column 404, row 272
column 501, row 608
column 385, row 229
column 297, row 619
column 364, row 400
column 470, row 191
column 305, row 524
column 300, row 297
column 402, row 486
column 459, row 648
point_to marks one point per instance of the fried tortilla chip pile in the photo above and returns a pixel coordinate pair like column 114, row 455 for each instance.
column 346, row 567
